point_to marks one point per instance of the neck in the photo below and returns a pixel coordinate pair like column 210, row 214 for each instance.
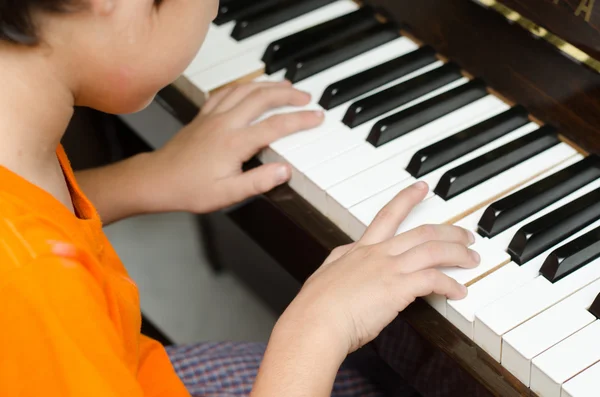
column 35, row 110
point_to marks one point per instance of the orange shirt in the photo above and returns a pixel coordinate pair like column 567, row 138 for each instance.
column 70, row 315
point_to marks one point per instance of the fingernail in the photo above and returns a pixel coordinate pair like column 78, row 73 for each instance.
column 420, row 185
column 471, row 237
column 282, row 175
column 476, row 257
column 464, row 289
column 320, row 114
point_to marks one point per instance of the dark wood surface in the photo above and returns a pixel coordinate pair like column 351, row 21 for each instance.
column 524, row 69
column 562, row 20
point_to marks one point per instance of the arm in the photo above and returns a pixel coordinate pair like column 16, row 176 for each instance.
column 356, row 293
column 123, row 189
column 200, row 169
column 300, row 360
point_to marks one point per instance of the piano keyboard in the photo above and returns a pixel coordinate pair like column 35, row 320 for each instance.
column 396, row 113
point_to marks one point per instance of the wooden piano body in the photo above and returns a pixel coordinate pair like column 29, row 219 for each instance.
column 522, row 64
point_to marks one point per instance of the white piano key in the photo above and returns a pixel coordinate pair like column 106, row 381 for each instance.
column 231, row 70
column 495, row 320
column 436, row 210
column 497, row 285
column 545, row 330
column 471, row 221
column 491, row 259
column 461, row 313
column 565, row 360
column 321, row 178
column 341, row 140
column 393, row 49
column 585, row 384
column 505, row 280
column 392, row 175
column 220, row 47
column 317, row 84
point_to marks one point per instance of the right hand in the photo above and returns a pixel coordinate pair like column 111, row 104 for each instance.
column 362, row 287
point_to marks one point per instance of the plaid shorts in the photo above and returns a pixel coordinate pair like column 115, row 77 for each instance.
column 226, row 369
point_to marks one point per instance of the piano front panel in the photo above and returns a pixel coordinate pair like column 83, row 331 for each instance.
column 519, row 66
column 575, row 21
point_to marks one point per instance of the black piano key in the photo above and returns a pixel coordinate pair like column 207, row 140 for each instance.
column 572, row 256
column 281, row 52
column 425, row 112
column 382, row 102
column 452, row 148
column 361, row 83
column 541, row 234
column 595, row 308
column 274, row 15
column 340, row 51
column 482, row 168
column 512, row 209
column 231, row 10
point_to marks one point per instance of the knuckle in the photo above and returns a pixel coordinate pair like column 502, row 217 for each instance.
column 258, row 186
column 218, row 121
column 234, row 141
column 277, row 122
column 239, row 89
column 367, row 251
column 338, row 251
column 431, row 276
column 384, row 214
column 427, row 232
column 433, row 251
column 459, row 231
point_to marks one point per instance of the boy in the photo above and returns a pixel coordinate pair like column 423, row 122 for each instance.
column 71, row 316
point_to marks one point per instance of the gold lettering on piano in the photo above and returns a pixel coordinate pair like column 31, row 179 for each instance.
column 586, row 6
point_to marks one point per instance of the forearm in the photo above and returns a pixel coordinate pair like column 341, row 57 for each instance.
column 122, row 189
column 301, row 360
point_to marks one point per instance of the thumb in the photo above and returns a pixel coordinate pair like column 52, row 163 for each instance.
column 260, row 180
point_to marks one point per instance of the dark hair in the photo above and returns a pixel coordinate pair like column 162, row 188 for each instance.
column 16, row 22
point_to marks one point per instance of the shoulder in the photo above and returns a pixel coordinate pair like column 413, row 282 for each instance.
column 25, row 235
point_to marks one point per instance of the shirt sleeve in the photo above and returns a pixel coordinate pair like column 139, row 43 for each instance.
column 56, row 336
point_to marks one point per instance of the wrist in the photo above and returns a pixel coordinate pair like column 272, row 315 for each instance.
column 151, row 183
column 303, row 321
column 302, row 359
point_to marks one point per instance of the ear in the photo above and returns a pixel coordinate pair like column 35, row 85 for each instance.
column 102, row 7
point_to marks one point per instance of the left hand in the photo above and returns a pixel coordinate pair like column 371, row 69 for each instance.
column 200, row 169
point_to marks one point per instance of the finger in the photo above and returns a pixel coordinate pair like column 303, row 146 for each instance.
column 388, row 220
column 431, row 281
column 243, row 91
column 338, row 252
column 437, row 254
column 422, row 234
column 275, row 127
column 214, row 99
column 257, row 181
column 262, row 100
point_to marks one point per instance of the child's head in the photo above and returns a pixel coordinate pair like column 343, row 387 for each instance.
column 113, row 54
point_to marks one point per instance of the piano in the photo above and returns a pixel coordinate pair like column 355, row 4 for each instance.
column 496, row 105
